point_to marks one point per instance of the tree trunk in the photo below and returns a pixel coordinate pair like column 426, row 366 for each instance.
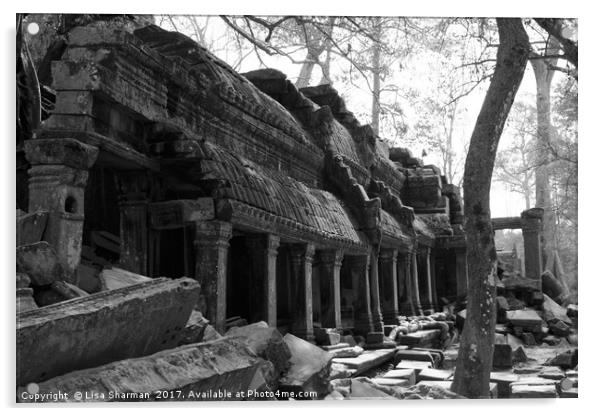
column 376, row 76
column 471, row 378
column 306, row 70
column 543, row 79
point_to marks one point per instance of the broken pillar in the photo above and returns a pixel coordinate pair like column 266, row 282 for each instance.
column 215, row 370
column 133, row 221
column 262, row 291
column 212, row 244
column 362, row 313
column 531, row 225
column 330, row 274
column 57, row 180
column 302, row 258
column 388, row 285
column 107, row 326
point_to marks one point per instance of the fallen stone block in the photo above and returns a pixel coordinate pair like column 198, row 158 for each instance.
column 342, row 386
column 67, row 290
column 526, row 319
column 349, row 339
column 569, row 394
column 309, row 367
column 31, row 227
column 434, row 375
column 375, row 337
column 267, row 343
column 417, row 366
column 532, row 389
column 430, row 390
column 551, row 373
column 519, row 355
column 367, row 360
column 446, row 385
column 528, row 339
column 392, row 382
column 502, row 356
column 528, row 369
column 437, row 354
column 210, row 334
column 408, row 374
column 503, row 381
column 194, row 329
column 421, row 338
column 331, row 348
column 413, row 355
column 40, row 262
column 553, row 312
column 116, row 278
column 572, row 310
column 87, row 278
column 216, row 370
column 349, row 352
column 25, row 300
column 560, row 329
column 335, row 395
column 103, row 327
column 338, row 371
column 327, row 336
column 364, row 390
column 565, row 360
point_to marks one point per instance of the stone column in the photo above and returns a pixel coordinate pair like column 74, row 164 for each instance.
column 330, row 272
column 362, row 313
column 433, row 269
column 406, row 305
column 57, row 180
column 264, row 252
column 133, row 221
column 461, row 273
column 212, row 243
column 415, row 287
column 531, row 226
column 377, row 317
column 427, row 299
column 302, row 257
column 388, row 285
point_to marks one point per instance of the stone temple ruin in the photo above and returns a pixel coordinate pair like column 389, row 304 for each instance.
column 159, row 160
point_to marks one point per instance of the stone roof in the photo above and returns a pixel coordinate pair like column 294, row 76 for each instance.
column 316, row 210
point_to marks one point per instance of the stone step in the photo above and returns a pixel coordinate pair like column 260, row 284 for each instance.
column 394, row 382
column 367, row 361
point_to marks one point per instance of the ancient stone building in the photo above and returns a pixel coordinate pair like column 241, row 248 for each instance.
column 277, row 200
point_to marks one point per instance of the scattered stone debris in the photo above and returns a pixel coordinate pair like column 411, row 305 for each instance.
column 215, row 370
column 309, row 367
column 92, row 330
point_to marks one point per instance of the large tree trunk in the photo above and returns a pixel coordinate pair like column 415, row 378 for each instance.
column 376, row 75
column 543, row 79
column 471, row 378
column 306, row 70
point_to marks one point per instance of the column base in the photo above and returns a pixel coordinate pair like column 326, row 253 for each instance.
column 406, row 309
column 363, row 324
column 390, row 317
